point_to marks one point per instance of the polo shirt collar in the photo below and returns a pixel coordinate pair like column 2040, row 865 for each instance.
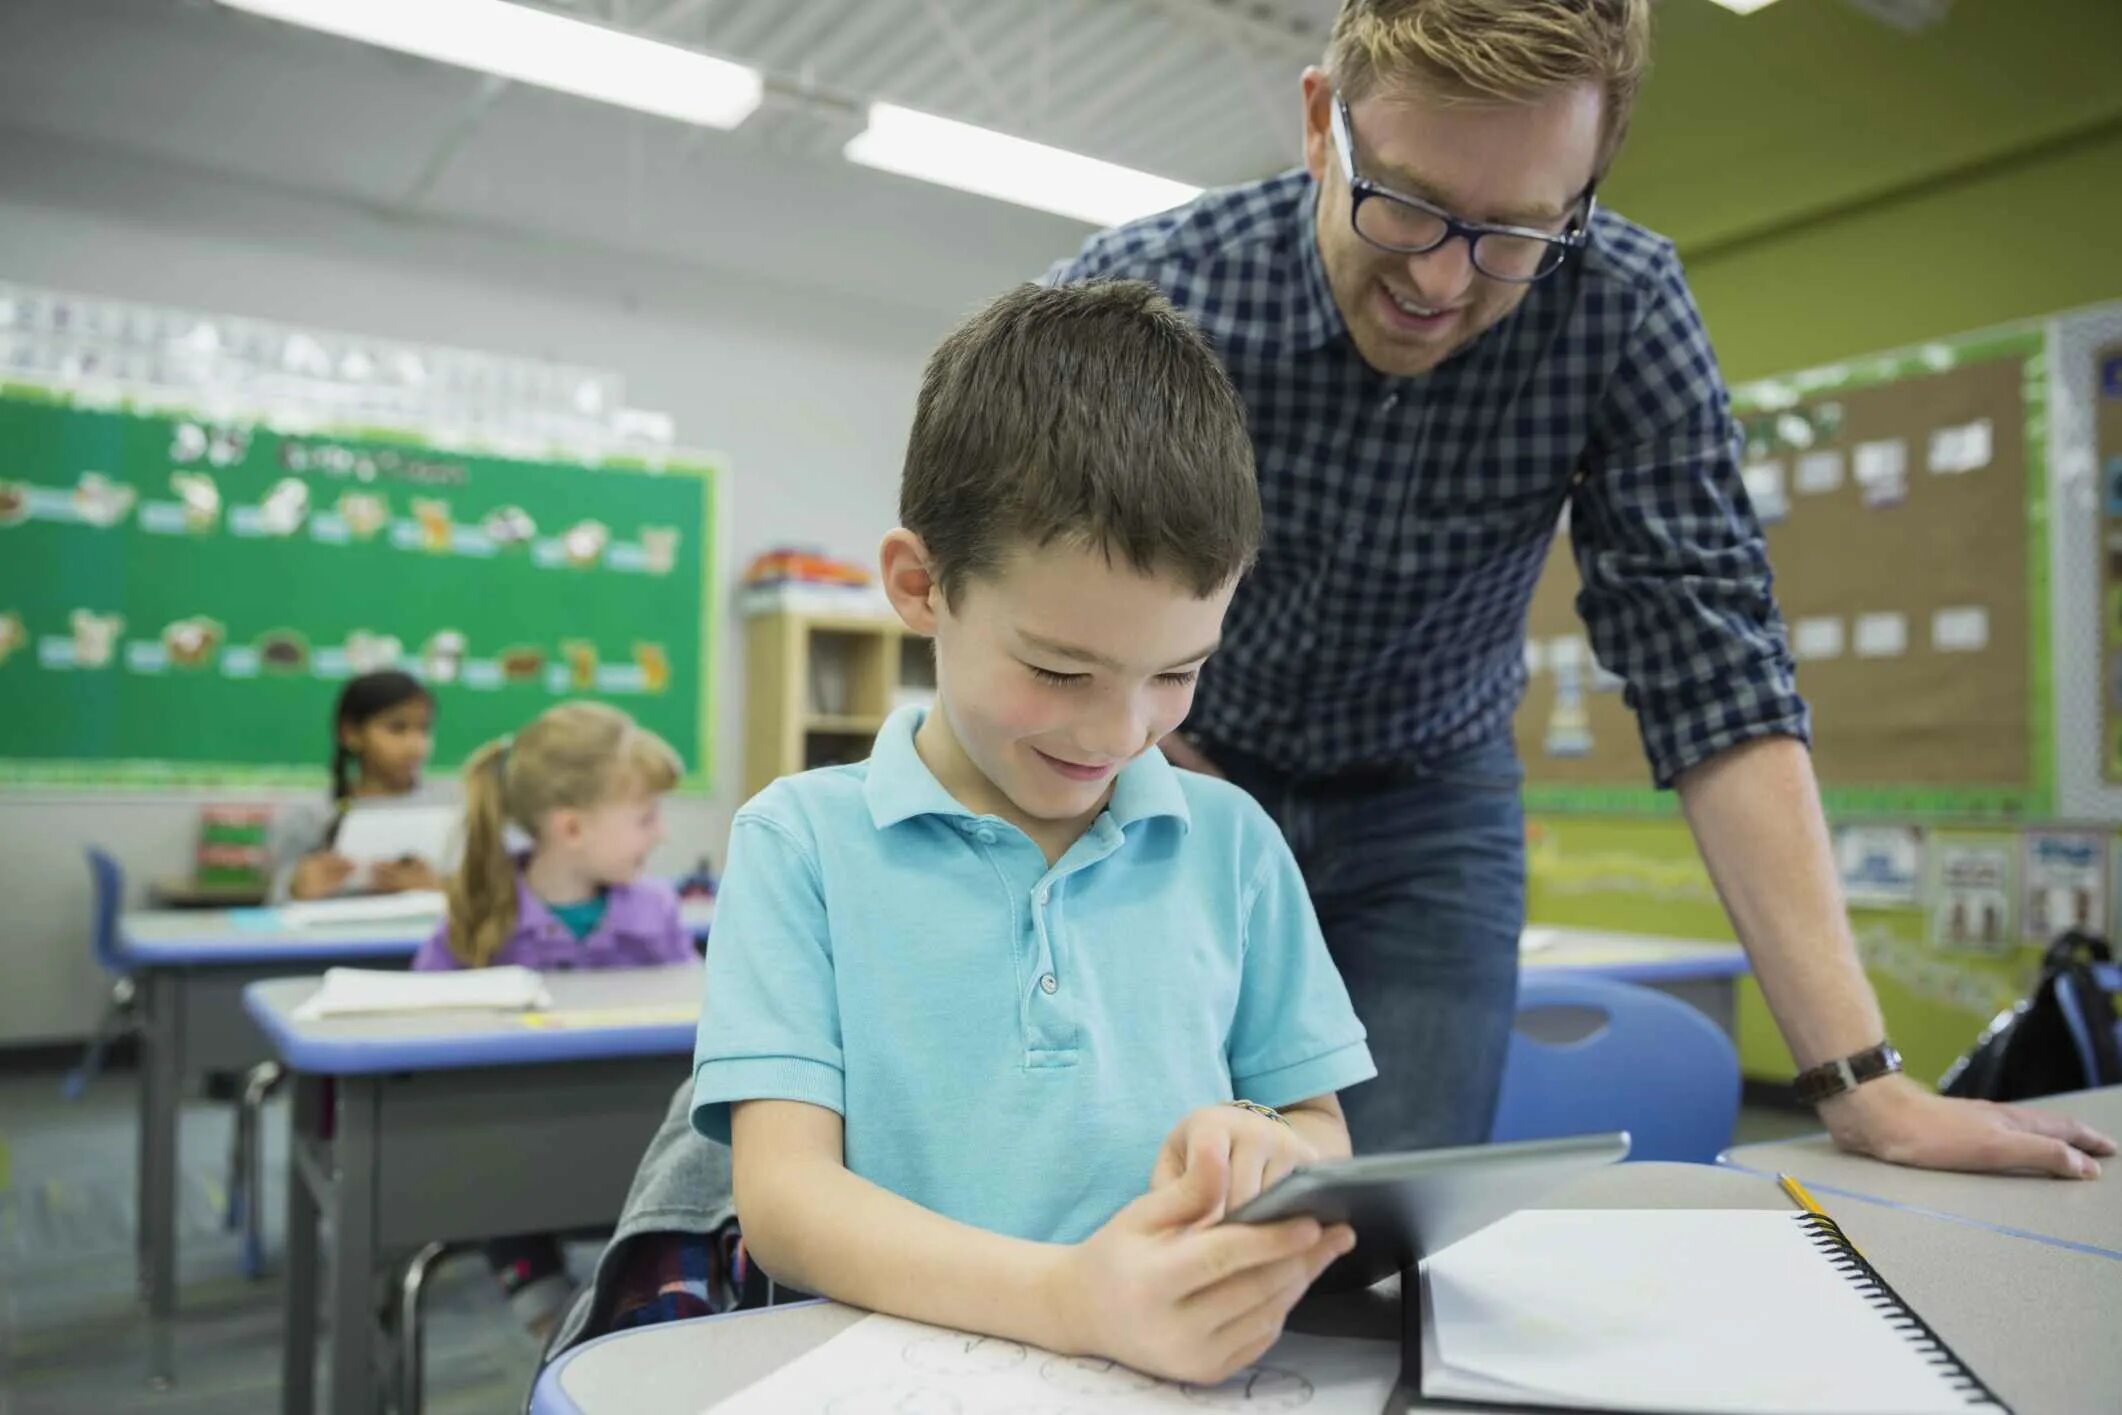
column 899, row 785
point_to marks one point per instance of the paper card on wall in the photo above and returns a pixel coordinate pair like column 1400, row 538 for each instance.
column 1881, row 470
column 1819, row 473
column 1535, row 657
column 1963, row 629
column 1880, row 865
column 2065, row 882
column 1882, row 635
column 1965, row 448
column 1766, row 490
column 1817, row 638
column 1971, row 894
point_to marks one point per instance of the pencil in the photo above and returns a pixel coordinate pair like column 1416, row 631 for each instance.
column 1805, row 1201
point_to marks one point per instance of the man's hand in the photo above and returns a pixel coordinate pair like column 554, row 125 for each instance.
column 1166, row 1289
column 1896, row 1120
column 1185, row 755
column 1250, row 1150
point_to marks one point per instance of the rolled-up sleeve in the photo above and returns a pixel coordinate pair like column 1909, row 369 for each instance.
column 1677, row 592
column 770, row 1024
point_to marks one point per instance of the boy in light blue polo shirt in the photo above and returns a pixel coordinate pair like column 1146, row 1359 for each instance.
column 966, row 1001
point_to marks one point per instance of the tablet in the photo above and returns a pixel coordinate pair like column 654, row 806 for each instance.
column 373, row 835
column 1405, row 1207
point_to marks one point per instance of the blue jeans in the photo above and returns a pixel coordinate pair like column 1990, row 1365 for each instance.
column 1418, row 877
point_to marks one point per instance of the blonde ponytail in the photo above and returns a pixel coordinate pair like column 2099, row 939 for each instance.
column 482, row 894
column 573, row 756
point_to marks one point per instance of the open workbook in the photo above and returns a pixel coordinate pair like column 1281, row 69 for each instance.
column 1733, row 1311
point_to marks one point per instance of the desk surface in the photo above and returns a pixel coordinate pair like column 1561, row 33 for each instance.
column 1634, row 958
column 595, row 1015
column 2079, row 1212
column 173, row 937
column 2036, row 1324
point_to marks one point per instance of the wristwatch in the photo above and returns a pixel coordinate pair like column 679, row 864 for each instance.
column 1835, row 1078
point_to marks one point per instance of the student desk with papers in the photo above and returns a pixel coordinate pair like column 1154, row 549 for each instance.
column 2079, row 1214
column 189, row 969
column 414, row 1128
column 2034, row 1321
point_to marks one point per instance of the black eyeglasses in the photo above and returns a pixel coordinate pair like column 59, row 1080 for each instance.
column 1408, row 225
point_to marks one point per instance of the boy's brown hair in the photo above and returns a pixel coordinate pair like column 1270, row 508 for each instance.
column 1091, row 414
column 1508, row 50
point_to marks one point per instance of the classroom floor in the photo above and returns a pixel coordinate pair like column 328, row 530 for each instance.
column 72, row 1337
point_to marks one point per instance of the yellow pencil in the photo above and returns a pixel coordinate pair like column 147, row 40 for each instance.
column 1805, row 1201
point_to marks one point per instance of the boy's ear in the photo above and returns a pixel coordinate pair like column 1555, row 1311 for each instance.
column 909, row 582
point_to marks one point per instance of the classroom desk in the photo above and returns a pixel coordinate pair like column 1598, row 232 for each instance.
column 2033, row 1321
column 1701, row 974
column 189, row 970
column 458, row 1126
column 2084, row 1215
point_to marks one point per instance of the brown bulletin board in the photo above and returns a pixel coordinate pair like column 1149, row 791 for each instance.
column 2107, row 451
column 1950, row 715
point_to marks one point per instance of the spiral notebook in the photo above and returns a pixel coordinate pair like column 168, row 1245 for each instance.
column 1733, row 1311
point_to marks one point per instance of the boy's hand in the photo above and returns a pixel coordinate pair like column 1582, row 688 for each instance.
column 1253, row 1151
column 320, row 876
column 398, row 876
column 1164, row 1292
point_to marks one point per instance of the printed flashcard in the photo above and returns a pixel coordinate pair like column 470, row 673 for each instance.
column 584, row 543
column 1966, row 448
column 199, row 498
column 283, row 651
column 14, row 502
column 1816, row 638
column 2065, row 883
column 1882, row 635
column 364, row 512
column 1881, row 471
column 192, row 642
column 442, row 656
column 1880, row 865
column 508, row 526
column 368, row 652
column 95, row 636
column 1971, row 894
column 14, row 634
column 101, row 502
column 1765, row 488
column 1819, row 473
column 1962, row 629
column 659, row 548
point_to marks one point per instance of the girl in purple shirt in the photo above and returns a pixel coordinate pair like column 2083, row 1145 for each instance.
column 585, row 783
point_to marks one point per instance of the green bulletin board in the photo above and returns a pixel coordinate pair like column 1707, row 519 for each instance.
column 180, row 599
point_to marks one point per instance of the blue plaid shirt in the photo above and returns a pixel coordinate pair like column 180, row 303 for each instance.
column 1407, row 519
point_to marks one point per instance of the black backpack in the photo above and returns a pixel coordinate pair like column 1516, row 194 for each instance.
column 2064, row 1037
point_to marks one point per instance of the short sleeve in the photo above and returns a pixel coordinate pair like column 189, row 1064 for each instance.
column 770, row 1024
column 1296, row 1035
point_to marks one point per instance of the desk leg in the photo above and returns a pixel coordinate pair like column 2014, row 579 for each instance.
column 354, row 1386
column 298, row 1350
column 161, row 1079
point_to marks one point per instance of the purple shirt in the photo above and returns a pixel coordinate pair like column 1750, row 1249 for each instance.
column 640, row 929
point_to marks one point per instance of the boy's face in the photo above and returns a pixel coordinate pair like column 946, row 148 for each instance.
column 1052, row 674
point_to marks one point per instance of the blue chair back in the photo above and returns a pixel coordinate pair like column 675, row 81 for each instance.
column 109, row 880
column 1654, row 1067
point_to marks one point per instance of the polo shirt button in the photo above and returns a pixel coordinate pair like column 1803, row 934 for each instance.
column 1040, row 896
column 1049, row 985
column 985, row 834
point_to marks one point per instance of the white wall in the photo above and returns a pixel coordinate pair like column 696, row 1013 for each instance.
column 809, row 397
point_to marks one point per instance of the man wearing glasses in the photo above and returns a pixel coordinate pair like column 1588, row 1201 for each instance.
column 1443, row 344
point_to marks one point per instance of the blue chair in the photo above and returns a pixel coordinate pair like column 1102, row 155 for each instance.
column 1650, row 1065
column 109, row 888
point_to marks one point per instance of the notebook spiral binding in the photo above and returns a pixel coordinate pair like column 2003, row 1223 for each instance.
column 1827, row 1236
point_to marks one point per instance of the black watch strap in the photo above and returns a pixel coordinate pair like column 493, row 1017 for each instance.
column 1836, row 1078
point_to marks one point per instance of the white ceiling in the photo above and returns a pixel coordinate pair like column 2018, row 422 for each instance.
column 1200, row 90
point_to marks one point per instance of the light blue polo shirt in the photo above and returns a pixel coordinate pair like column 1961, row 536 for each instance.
column 1008, row 1044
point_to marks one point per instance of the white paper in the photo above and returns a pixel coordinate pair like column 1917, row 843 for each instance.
column 1817, row 638
column 1882, row 635
column 1882, row 471
column 1819, row 473
column 1971, row 896
column 889, row 1366
column 1721, row 1310
column 1966, row 448
column 1879, row 864
column 352, row 991
column 2065, row 883
column 1765, row 489
column 1962, row 629
column 373, row 835
column 360, row 909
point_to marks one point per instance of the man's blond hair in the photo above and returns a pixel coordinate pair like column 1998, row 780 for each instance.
column 1496, row 50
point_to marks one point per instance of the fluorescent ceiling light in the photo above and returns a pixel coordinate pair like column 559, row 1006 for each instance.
column 538, row 47
column 994, row 164
column 1743, row 7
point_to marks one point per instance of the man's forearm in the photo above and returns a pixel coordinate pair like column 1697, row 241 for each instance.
column 1755, row 813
